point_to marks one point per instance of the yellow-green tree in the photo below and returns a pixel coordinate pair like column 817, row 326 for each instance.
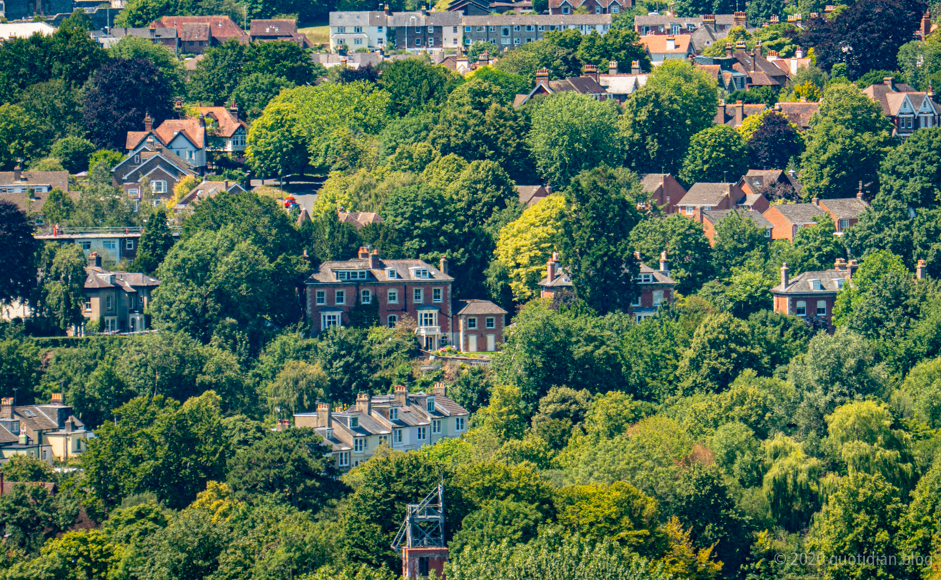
column 526, row 244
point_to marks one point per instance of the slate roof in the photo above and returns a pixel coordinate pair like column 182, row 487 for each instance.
column 220, row 28
column 799, row 213
column 99, row 278
column 54, row 179
column 798, row 113
column 476, row 307
column 528, row 192
column 706, row 194
column 880, row 92
column 207, row 189
column 660, row 277
column 561, row 280
column 845, row 208
column 7, row 437
column 34, row 419
column 543, row 19
column 659, row 19
column 357, row 18
column 801, row 284
column 326, row 274
column 275, row 27
column 717, row 215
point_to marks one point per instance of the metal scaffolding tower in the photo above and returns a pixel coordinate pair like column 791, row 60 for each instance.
column 424, row 523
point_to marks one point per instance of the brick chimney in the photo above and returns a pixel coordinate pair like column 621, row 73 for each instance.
column 591, row 71
column 234, row 110
column 56, row 399
column 921, row 270
column 6, row 408
column 799, row 52
column 756, row 54
column 889, row 82
column 483, row 59
column 284, row 424
column 401, row 396
column 664, row 264
column 671, row 42
column 815, row 201
column 709, row 19
column 323, row 415
column 926, row 24
column 542, row 78
column 728, row 49
column 840, row 264
column 784, row 278
column 551, row 267
column 851, row 268
column 739, row 18
column 635, row 67
column 94, row 260
column 363, row 253
column 443, row 265
column 774, row 19
column 364, row 404
column 440, row 390
column 148, row 123
column 739, row 113
column 613, row 67
column 374, row 263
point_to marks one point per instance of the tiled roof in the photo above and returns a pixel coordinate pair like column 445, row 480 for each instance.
column 799, row 213
column 228, row 123
column 34, row 419
column 706, row 194
column 845, row 208
column 658, row 19
column 219, row 27
column 207, row 189
column 650, row 182
column 472, row 307
column 326, row 274
column 360, row 219
column 802, row 284
column 660, row 277
column 273, row 27
column 355, row 18
column 100, row 278
column 54, row 179
column 798, row 114
column 543, row 19
column 195, row 32
column 657, row 43
column 7, row 437
column 717, row 215
column 528, row 192
column 561, row 280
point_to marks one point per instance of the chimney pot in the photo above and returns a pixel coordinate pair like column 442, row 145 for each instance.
column 364, row 404
column 401, row 395
column 363, row 253
column 784, row 278
column 889, row 82
column 440, row 390
column 851, row 268
column 815, row 201
column 664, row 264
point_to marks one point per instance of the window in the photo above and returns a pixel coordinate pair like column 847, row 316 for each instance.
column 689, row 210
column 657, row 297
column 88, row 306
column 491, row 322
column 158, row 186
column 393, row 320
column 516, row 28
column 421, row 273
column 189, row 155
column 321, row 297
column 430, row 404
column 431, row 29
column 422, row 433
column 821, row 307
column 393, row 414
column 383, row 439
column 365, row 297
column 801, row 308
column 566, row 10
column 472, row 323
column 393, row 296
column 505, row 31
column 85, row 245
column 431, row 42
column 418, row 295
column 136, row 161
column 427, row 318
column 391, row 273
column 635, row 301
column 359, row 445
column 340, row 297
column 504, row 41
column 467, row 29
column 129, row 244
column 815, row 285
column 328, row 319
column 615, row 9
column 436, row 426
column 378, row 29
column 353, row 422
column 529, row 28
column 110, row 244
column 516, row 41
column 459, row 423
column 341, row 29
column 417, row 42
column 397, row 436
column 454, row 29
column 839, row 284
column 541, row 27
column 130, row 302
column 351, row 274
column 110, row 303
column 343, row 458
column 645, row 278
column 111, row 324
column 844, row 224
column 357, row 41
column 357, row 29
column 436, row 295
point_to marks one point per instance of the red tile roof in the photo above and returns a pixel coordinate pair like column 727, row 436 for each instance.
column 220, row 28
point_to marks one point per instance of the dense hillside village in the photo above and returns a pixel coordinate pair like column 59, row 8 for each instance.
column 485, row 289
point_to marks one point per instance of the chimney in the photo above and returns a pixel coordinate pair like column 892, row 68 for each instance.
column 784, row 275
column 921, row 270
column 94, row 260
column 799, row 52
column 148, row 123
column 740, row 19
column 591, row 71
column 739, row 113
column 323, row 415
column 6, row 408
column 815, row 201
column 24, row 439
column 56, row 399
column 926, row 24
column 851, row 267
column 889, row 82
column 440, row 390
column 1, row 482
column 774, row 19
column 234, row 110
column 364, row 404
column 840, row 264
column 664, row 264
column 363, row 253
column 483, row 59
column 637, row 255
column 542, row 78
column 551, row 267
column 443, row 265
column 709, row 19
column 374, row 260
column 613, row 67
column 385, row 9
column 18, row 171
column 69, row 424
column 671, row 42
column 635, row 67
column 401, row 396
column 756, row 54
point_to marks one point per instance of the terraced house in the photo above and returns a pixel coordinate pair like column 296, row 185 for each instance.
column 404, row 421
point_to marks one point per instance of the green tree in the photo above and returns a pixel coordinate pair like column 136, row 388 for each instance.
column 874, row 268
column 27, row 468
column 21, row 135
column 293, row 463
column 571, row 133
column 495, row 521
column 720, row 350
column 256, row 90
column 56, row 106
column 527, row 243
column 73, row 152
column 505, row 413
column 923, row 385
column 60, row 296
column 218, row 73
column 19, row 249
column 791, row 483
column 20, row 369
column 686, row 245
column 296, row 388
column 717, row 154
column 599, row 216
column 737, row 238
column 32, row 515
column 155, row 242
column 415, row 85
column 138, row 47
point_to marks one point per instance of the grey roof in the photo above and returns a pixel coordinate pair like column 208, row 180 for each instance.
column 358, row 18
column 54, row 179
column 155, row 33
column 561, row 280
column 331, row 440
column 543, row 19
column 802, row 284
column 445, row 18
column 30, row 416
column 658, row 19
column 450, row 408
column 326, row 274
column 652, row 181
column 7, row 437
column 659, row 276
column 472, row 307
column 717, row 215
column 798, row 213
column 100, row 278
column 846, row 208
column 705, row 194
column 367, row 425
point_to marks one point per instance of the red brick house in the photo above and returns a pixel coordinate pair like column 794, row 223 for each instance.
column 908, row 109
column 197, row 33
column 656, row 286
column 812, row 294
column 478, row 325
column 845, row 212
column 757, row 180
column 787, row 218
column 664, row 190
column 587, row 84
column 399, row 288
column 711, row 218
column 710, row 196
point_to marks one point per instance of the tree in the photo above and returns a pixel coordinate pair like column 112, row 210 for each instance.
column 295, row 389
column 19, row 248
column 27, row 468
column 218, row 73
column 32, row 515
column 56, row 106
column 737, row 237
column 131, row 47
column 721, row 349
column 155, row 242
column 760, row 11
column 659, row 120
column 717, row 154
column 415, row 85
column 526, row 244
column 73, row 152
column 505, row 413
column 114, row 106
column 774, row 143
column 283, row 59
column 791, row 482
column 815, row 247
column 495, row 521
column 571, row 133
column 256, row 90
column 60, row 296
column 599, row 216
column 685, row 243
column 826, row 169
column 865, row 36
column 21, row 137
column 293, row 463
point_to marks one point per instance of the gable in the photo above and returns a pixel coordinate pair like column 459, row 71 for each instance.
column 182, row 141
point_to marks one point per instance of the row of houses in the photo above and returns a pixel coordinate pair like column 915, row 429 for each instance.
column 46, row 431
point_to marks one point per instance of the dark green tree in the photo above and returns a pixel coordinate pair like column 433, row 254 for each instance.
column 721, row 349
column 19, row 249
column 688, row 252
column 155, row 242
column 415, row 85
column 737, row 238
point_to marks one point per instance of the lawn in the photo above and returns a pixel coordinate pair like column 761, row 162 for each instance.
column 317, row 34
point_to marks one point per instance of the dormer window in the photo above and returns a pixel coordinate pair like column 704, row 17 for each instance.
column 328, row 433
column 351, row 274
column 421, row 273
column 393, row 414
column 839, row 284
column 815, row 285
column 354, row 422
column 392, row 273
column 430, row 404
column 645, row 278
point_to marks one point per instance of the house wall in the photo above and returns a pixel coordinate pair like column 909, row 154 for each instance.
column 371, row 37
column 510, row 34
column 783, row 228
column 788, row 304
column 481, row 333
column 64, row 447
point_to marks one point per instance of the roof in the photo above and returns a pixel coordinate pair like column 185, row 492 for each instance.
column 658, row 19
column 760, row 71
column 622, row 84
column 474, row 307
column 207, row 189
column 879, row 92
column 8, row 486
column 543, row 19
column 355, row 18
column 220, row 28
column 99, row 278
column 798, row 213
column 54, row 179
column 530, row 194
column 706, row 194
column 326, row 274
column 657, row 43
column 360, row 219
column 561, row 279
column 659, row 276
column 651, row 182
column 10, row 30
column 195, row 32
column 273, row 27
column 152, row 33
column 801, row 284
column 34, row 419
column 845, row 208
column 798, row 114
column 228, row 123
column 717, row 215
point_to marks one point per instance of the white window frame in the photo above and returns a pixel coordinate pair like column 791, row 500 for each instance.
column 393, row 414
column 437, row 295
column 320, row 297
column 339, row 297
column 658, row 297
column 109, row 244
column 436, row 427
column 158, row 186
column 393, row 320
column 328, row 319
column 109, row 301
column 88, row 305
column 459, row 423
column 422, row 433
column 365, row 296
column 359, row 444
column 428, row 316
column 800, row 305
column 471, row 323
column 343, row 459
column 397, row 436
column 392, row 297
column 430, row 404
column 129, row 244
column 418, row 295
column 821, row 307
column 490, row 322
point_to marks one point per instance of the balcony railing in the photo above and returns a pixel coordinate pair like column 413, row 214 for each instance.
column 47, row 230
column 428, row 331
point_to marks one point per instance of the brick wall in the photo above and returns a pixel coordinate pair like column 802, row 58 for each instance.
column 783, row 228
